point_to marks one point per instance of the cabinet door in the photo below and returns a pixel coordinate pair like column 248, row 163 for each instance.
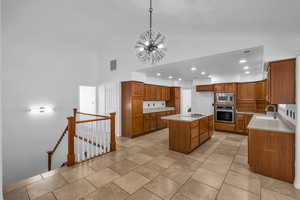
column 137, row 89
column 211, row 125
column 177, row 93
column 153, row 92
column 282, row 82
column 153, row 122
column 163, row 93
column 158, row 93
column 246, row 91
column 230, row 87
column 204, row 125
column 204, row 88
column 137, row 125
column 240, row 123
column 168, row 93
column 137, row 106
column 260, row 90
column 219, row 88
column 147, row 92
column 147, row 123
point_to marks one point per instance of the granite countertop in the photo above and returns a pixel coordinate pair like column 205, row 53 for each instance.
column 264, row 122
column 184, row 117
column 154, row 110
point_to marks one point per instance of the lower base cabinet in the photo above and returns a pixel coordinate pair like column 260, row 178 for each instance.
column 224, row 126
column 272, row 154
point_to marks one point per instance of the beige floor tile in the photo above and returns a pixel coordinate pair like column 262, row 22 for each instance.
column 201, row 157
column 164, row 161
column 103, row 177
column 123, row 167
column 242, row 169
column 143, row 194
column 117, row 156
column 147, row 172
column 179, row 196
column 188, row 163
column 108, row 192
column 133, row 149
column 48, row 196
column 44, row 186
column 100, row 163
column 163, row 187
column 196, row 190
column 77, row 173
column 248, row 183
column 131, row 182
column 178, row 174
column 210, row 178
column 17, row 194
column 241, row 159
column 215, row 167
column 228, row 192
column 220, row 159
column 140, row 158
column 279, row 186
column 20, row 184
column 155, row 166
column 74, row 190
column 270, row 195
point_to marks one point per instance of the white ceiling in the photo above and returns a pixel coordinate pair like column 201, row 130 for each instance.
column 225, row 64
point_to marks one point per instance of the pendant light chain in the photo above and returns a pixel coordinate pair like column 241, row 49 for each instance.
column 150, row 11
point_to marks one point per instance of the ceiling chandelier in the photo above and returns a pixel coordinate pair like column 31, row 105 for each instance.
column 150, row 46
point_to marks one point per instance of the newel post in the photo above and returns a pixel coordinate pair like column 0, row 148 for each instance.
column 113, row 132
column 71, row 135
column 75, row 112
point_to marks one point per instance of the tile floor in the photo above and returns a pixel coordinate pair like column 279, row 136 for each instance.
column 144, row 169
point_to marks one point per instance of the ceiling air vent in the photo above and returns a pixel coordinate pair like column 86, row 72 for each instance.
column 113, row 65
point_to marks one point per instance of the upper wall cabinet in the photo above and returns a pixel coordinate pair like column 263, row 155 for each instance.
column 225, row 88
column 281, row 82
column 205, row 88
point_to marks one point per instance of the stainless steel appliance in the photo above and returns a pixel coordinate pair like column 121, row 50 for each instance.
column 224, row 114
column 225, row 98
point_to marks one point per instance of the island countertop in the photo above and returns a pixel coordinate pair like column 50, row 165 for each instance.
column 190, row 117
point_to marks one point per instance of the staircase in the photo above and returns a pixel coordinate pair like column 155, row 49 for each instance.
column 88, row 136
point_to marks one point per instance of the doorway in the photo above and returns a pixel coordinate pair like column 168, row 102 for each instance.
column 87, row 99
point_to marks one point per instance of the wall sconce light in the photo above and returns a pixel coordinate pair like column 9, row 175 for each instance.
column 40, row 109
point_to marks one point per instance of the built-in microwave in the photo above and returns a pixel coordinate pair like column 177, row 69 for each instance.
column 225, row 98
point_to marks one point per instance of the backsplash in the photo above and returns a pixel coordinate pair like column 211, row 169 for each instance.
column 288, row 112
column 154, row 104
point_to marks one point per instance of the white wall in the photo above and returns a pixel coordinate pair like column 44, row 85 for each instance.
column 1, row 142
column 202, row 101
column 297, row 138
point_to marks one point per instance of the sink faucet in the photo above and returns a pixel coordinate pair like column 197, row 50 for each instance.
column 274, row 113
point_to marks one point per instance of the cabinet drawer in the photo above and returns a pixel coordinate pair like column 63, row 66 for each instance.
column 194, row 132
column 224, row 126
column 195, row 124
column 203, row 137
column 194, row 142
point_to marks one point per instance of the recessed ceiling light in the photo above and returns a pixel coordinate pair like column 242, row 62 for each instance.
column 246, row 67
column 193, row 69
column 243, row 61
column 209, row 76
column 247, row 72
column 203, row 73
column 158, row 74
column 180, row 79
column 170, row 77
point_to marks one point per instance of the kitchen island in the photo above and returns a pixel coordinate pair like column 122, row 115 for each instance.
column 188, row 131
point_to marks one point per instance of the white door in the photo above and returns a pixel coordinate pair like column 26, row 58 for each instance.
column 186, row 100
column 87, row 99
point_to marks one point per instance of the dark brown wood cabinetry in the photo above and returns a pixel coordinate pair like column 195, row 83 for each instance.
column 272, row 154
column 134, row 122
column 281, row 82
column 132, row 108
column 241, row 123
column 205, row 88
column 225, row 88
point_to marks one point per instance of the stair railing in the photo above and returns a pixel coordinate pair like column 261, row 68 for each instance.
column 89, row 138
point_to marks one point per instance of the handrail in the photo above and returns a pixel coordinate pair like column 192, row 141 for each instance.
column 82, row 113
column 91, row 120
column 50, row 153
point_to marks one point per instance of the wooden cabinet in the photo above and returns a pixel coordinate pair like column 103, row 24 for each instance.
column 163, row 93
column 281, row 82
column 150, row 122
column 225, row 88
column 210, row 125
column 168, row 93
column 272, row 154
column 147, row 92
column 132, row 108
column 246, row 91
column 204, row 129
column 224, row 127
column 174, row 99
column 205, row 88
column 241, row 123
